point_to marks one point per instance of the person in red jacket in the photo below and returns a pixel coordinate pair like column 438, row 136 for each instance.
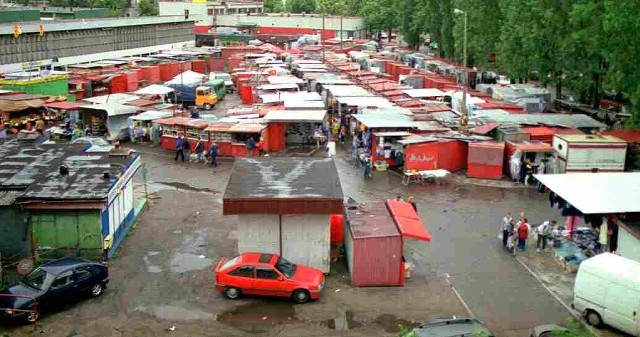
column 523, row 234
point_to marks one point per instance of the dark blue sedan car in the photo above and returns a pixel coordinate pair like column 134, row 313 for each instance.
column 53, row 284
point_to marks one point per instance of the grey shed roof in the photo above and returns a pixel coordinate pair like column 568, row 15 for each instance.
column 34, row 169
column 570, row 121
column 283, row 178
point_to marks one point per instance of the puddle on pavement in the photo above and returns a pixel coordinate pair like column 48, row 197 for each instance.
column 344, row 322
column 151, row 268
column 391, row 323
column 182, row 186
column 184, row 262
column 175, row 313
column 258, row 317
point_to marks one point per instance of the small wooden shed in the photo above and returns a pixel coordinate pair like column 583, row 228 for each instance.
column 374, row 242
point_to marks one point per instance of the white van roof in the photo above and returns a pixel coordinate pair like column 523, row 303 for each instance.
column 617, row 267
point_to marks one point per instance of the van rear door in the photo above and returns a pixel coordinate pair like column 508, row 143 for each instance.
column 621, row 308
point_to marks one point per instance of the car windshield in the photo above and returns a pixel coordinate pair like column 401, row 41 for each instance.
column 288, row 269
column 99, row 142
column 230, row 263
column 38, row 279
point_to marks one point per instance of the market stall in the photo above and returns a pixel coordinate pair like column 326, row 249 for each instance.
column 516, row 153
column 387, row 150
column 173, row 127
column 141, row 125
column 485, row 160
column 59, row 111
column 156, row 90
column 109, row 120
column 294, row 127
column 374, row 242
column 21, row 111
column 232, row 138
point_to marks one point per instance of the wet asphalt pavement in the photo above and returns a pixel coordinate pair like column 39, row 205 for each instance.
column 161, row 275
column 464, row 222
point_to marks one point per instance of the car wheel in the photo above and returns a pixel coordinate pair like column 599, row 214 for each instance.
column 232, row 293
column 207, row 106
column 97, row 289
column 32, row 317
column 301, row 296
column 594, row 318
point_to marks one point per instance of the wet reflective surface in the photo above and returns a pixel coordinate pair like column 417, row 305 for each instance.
column 259, row 316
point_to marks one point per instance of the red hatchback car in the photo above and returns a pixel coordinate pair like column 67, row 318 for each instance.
column 268, row 275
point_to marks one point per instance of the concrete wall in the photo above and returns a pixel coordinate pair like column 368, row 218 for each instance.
column 15, row 237
column 628, row 245
column 197, row 11
column 32, row 47
column 293, row 21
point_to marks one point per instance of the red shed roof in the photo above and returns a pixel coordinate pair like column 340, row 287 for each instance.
column 630, row 136
column 63, row 105
column 183, row 121
column 407, row 220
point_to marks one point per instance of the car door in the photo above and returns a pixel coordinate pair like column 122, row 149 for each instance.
column 270, row 282
column 83, row 279
column 242, row 278
column 621, row 306
column 61, row 290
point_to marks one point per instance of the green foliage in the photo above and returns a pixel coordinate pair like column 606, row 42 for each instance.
column 331, row 7
column 574, row 329
column 147, row 8
column 114, row 7
column 301, row 6
column 379, row 14
column 406, row 332
column 273, row 6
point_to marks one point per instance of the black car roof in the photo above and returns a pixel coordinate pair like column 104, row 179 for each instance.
column 60, row 265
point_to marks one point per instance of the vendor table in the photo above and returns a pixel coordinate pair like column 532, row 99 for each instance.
column 412, row 177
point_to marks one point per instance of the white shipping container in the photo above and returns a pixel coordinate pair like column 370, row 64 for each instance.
column 306, row 240
column 259, row 233
column 586, row 153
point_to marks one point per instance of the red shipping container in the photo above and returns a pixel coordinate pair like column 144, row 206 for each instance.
column 184, row 66
column 174, row 69
column 132, row 80
column 165, row 72
column 337, row 228
column 276, row 137
column 118, row 84
column 452, row 155
column 373, row 246
column 486, row 160
column 154, row 75
column 199, row 66
column 421, row 157
column 145, row 73
column 247, row 94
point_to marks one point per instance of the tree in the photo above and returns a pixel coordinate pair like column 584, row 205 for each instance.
column 379, row 15
column 483, row 30
column 114, row 7
column 147, row 8
column 301, row 6
column 331, row 7
column 273, row 6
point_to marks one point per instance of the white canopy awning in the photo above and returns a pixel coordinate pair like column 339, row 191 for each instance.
column 596, row 193
column 187, row 77
column 287, row 116
column 111, row 99
column 154, row 89
column 420, row 93
column 151, row 115
column 365, row 101
column 279, row 86
column 284, row 79
column 285, row 96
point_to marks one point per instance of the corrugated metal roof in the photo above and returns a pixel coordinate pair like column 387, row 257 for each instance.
column 366, row 101
column 569, row 121
column 316, row 116
column 8, row 197
column 385, row 120
column 90, row 24
column 420, row 93
column 416, row 140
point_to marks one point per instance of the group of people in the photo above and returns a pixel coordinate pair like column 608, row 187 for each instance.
column 515, row 234
column 183, row 146
column 409, row 200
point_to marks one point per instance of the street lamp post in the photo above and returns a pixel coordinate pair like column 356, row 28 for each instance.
column 464, row 62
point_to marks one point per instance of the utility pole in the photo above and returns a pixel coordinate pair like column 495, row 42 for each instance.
column 321, row 35
column 464, row 57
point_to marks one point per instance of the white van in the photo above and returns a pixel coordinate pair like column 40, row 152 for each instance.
column 607, row 290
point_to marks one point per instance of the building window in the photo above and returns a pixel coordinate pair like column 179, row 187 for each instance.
column 210, row 11
column 231, row 11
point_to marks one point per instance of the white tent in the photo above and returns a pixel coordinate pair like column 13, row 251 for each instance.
column 154, row 89
column 187, row 77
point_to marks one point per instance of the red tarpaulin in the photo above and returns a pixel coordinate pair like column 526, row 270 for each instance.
column 407, row 220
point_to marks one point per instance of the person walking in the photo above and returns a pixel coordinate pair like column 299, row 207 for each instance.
column 543, row 232
column 251, row 144
column 523, row 234
column 413, row 204
column 507, row 226
column 367, row 168
column 331, row 148
column 213, row 152
column 179, row 149
column 199, row 151
column 107, row 243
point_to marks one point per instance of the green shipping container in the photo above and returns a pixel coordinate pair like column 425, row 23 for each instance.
column 57, row 233
column 52, row 85
column 11, row 15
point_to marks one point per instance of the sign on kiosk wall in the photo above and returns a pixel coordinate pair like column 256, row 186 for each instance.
column 421, row 157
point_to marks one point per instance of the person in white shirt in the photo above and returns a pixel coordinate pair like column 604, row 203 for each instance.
column 331, row 148
column 544, row 231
